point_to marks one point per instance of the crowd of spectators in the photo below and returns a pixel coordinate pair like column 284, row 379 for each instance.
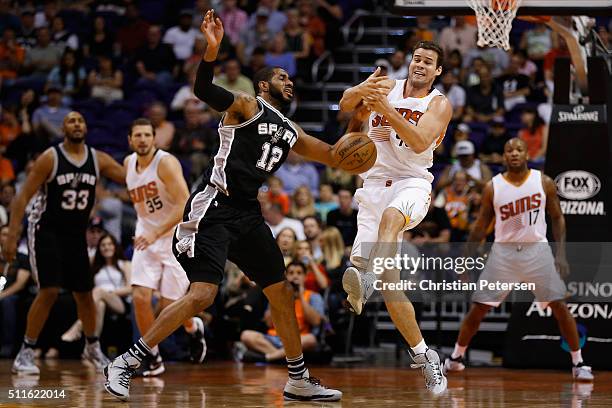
column 115, row 60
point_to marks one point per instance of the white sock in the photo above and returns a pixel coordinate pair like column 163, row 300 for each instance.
column 576, row 357
column 459, row 351
column 420, row 348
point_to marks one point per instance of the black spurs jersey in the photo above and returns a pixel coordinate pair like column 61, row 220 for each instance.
column 65, row 201
column 249, row 153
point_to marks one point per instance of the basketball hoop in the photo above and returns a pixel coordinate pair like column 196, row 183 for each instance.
column 494, row 19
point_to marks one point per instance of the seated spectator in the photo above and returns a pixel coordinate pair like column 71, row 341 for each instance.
column 10, row 128
column 253, row 37
column 455, row 93
column 164, row 130
column 273, row 215
column 471, row 73
column 44, row 17
column 276, row 195
column 334, row 252
column 62, row 37
column 106, row 82
column 132, row 35
column 112, row 277
column 7, row 194
column 302, row 204
column 435, row 228
column 109, row 208
column 26, row 34
column 316, row 277
column 296, row 172
column 48, row 119
column 13, row 284
column 182, row 36
column 234, row 20
column 257, row 62
column 454, row 63
column 492, row 149
column 312, row 230
column 477, row 172
column 94, row 232
column 155, row 62
column 340, row 179
column 42, row 58
column 196, row 140
column 100, row 42
column 279, row 56
column 286, row 242
column 314, row 26
column 276, row 19
column 455, row 201
column 462, row 132
column 344, row 217
column 69, row 76
column 397, row 68
column 233, row 80
column 299, row 42
column 514, row 85
column 485, row 100
column 12, row 56
column 538, row 42
column 309, row 310
column 458, row 36
column 185, row 94
column 526, row 66
column 535, row 134
column 327, row 201
column 496, row 58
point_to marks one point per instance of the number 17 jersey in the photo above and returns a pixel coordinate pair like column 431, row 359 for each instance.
column 148, row 193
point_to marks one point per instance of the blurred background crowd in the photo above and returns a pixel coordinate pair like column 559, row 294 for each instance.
column 116, row 60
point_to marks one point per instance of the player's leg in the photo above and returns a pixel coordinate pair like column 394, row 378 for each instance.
column 468, row 329
column 205, row 272
column 46, row 269
column 174, row 284
column 248, row 252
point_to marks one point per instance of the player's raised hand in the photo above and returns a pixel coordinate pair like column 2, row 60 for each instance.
column 212, row 28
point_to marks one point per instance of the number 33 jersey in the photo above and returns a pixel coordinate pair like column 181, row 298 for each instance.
column 148, row 193
column 65, row 201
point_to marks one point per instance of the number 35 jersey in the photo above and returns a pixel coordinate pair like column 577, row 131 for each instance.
column 148, row 193
column 64, row 203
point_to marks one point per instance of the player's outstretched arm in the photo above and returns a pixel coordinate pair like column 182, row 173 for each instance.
column 485, row 217
column 313, row 149
column 430, row 126
column 352, row 97
column 43, row 166
column 110, row 169
column 240, row 106
column 553, row 207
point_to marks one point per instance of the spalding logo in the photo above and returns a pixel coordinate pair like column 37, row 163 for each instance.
column 577, row 184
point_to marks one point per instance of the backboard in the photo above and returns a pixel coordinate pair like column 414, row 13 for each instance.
column 528, row 7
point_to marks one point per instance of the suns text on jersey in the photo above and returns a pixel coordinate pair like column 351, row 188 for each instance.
column 523, row 204
column 410, row 115
column 143, row 192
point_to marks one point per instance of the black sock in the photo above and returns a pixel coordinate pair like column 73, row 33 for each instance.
column 140, row 350
column 29, row 343
column 92, row 339
column 296, row 367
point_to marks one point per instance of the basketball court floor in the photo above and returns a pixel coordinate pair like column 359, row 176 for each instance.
column 227, row 384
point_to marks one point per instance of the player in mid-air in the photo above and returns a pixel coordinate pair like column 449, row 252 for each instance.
column 222, row 219
column 517, row 200
column 64, row 178
column 407, row 122
column 159, row 192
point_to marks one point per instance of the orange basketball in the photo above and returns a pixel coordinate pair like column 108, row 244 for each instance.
column 355, row 152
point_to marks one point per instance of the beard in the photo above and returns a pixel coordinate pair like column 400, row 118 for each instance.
column 277, row 95
column 76, row 139
column 140, row 151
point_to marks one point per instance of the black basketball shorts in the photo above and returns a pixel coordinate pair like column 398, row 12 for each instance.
column 59, row 259
column 213, row 231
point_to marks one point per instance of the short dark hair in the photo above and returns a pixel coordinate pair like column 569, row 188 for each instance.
column 265, row 74
column 296, row 263
column 315, row 218
column 430, row 45
column 141, row 122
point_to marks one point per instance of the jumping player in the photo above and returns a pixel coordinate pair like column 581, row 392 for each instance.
column 407, row 122
column 159, row 192
column 521, row 252
column 222, row 219
column 64, row 177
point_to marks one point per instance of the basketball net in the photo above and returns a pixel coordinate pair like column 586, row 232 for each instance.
column 494, row 19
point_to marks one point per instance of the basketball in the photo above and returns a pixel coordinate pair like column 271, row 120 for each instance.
column 355, row 152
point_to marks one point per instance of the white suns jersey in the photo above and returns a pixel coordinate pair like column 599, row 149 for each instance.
column 520, row 211
column 149, row 194
column 395, row 159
